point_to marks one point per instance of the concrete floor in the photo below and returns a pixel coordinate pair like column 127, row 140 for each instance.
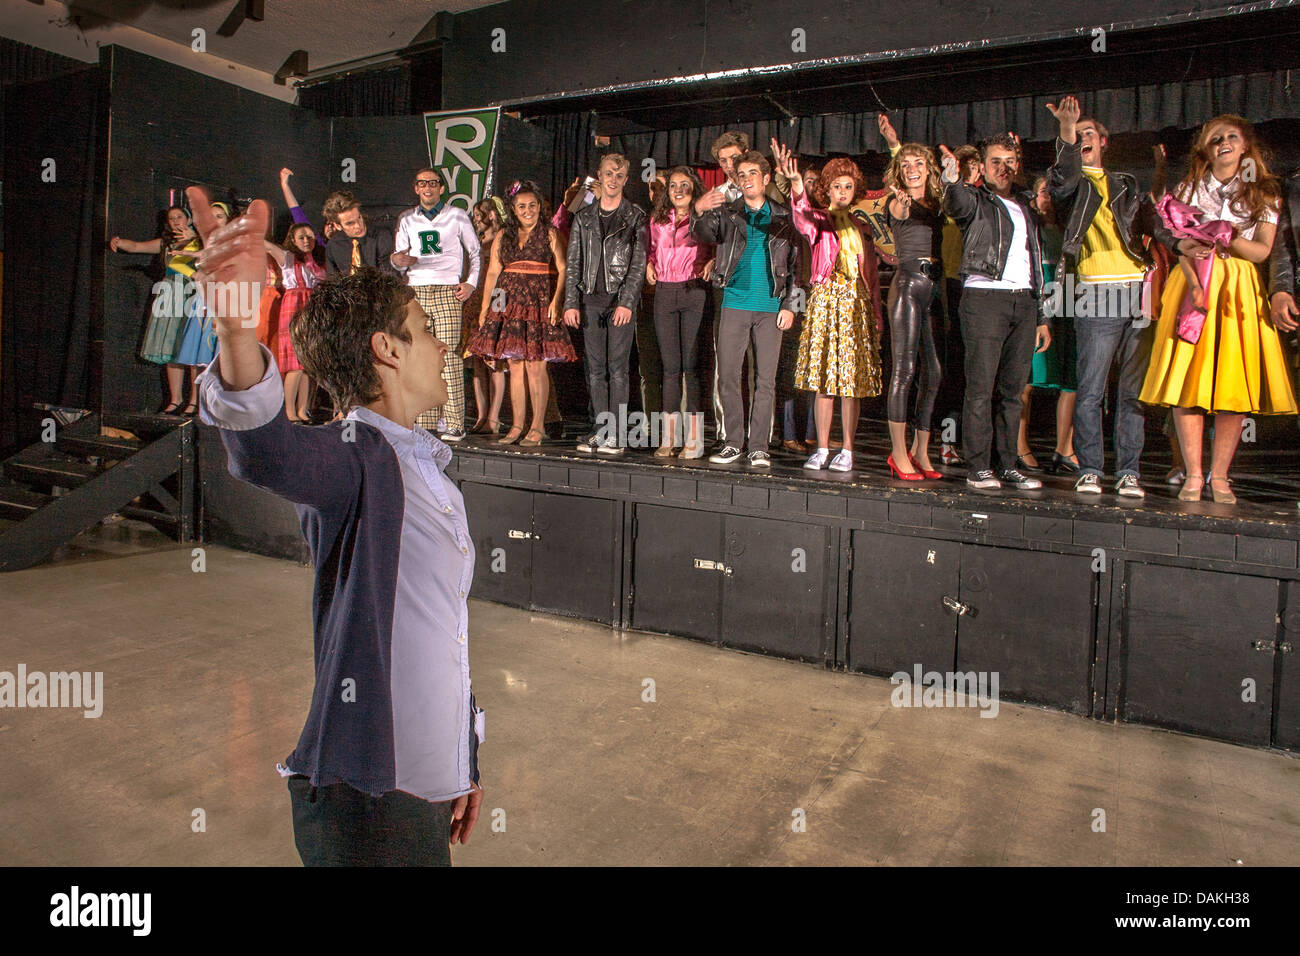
column 207, row 677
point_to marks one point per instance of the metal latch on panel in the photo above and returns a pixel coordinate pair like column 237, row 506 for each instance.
column 953, row 604
column 975, row 521
column 520, row 535
column 704, row 564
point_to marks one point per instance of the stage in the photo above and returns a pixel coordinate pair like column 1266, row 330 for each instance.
column 1157, row 611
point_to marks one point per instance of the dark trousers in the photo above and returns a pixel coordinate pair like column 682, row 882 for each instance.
column 609, row 353
column 998, row 328
column 737, row 329
column 952, row 358
column 679, row 310
column 1111, row 332
column 339, row 825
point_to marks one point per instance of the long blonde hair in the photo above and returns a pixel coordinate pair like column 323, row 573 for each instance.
column 894, row 174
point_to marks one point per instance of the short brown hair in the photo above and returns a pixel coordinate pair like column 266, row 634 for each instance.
column 331, row 333
column 1102, row 131
column 338, row 202
column 732, row 137
column 754, row 158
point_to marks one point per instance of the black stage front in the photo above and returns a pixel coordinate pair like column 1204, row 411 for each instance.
column 1158, row 612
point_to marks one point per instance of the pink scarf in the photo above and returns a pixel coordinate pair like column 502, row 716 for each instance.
column 1188, row 222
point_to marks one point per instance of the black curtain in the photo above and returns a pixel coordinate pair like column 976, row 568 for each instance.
column 50, row 283
column 1258, row 96
column 575, row 149
column 379, row 92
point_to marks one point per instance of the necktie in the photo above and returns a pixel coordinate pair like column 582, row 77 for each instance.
column 356, row 255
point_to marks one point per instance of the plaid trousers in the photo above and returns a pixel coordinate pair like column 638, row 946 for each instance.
column 443, row 311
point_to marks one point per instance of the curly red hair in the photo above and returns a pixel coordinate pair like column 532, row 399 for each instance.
column 833, row 170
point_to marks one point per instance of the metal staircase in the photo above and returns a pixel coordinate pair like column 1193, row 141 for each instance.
column 54, row 490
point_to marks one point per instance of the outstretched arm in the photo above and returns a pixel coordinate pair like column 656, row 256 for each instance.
column 241, row 391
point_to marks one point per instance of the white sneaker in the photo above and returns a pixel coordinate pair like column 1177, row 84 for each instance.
column 817, row 460
column 843, row 461
column 1128, row 487
column 760, row 459
column 1088, row 484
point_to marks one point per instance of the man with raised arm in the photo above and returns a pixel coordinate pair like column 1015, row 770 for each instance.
column 1105, row 217
column 386, row 769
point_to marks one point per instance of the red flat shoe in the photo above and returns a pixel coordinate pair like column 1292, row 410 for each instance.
column 930, row 475
column 914, row 476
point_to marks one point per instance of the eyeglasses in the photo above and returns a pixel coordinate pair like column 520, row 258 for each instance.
column 428, row 182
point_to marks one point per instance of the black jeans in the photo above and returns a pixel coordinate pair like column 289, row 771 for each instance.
column 339, row 825
column 998, row 328
column 952, row 357
column 911, row 335
column 679, row 309
column 609, row 353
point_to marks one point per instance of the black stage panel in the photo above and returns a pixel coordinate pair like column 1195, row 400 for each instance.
column 1159, row 612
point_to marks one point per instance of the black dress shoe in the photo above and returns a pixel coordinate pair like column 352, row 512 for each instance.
column 1022, row 465
column 1062, row 465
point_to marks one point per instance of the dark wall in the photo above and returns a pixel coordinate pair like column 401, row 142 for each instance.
column 172, row 127
column 53, row 181
column 555, row 46
column 524, row 151
column 388, row 150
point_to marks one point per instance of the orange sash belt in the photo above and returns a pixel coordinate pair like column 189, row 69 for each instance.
column 529, row 267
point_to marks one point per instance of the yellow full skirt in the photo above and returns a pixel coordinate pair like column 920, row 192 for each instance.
column 1237, row 365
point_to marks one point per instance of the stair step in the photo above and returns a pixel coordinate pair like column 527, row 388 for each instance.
column 50, row 469
column 17, row 502
column 145, row 424
column 107, row 447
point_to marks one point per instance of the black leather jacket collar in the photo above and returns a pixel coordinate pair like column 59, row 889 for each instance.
column 986, row 230
column 624, row 254
column 1077, row 201
column 727, row 228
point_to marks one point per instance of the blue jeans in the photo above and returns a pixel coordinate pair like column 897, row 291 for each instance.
column 1101, row 340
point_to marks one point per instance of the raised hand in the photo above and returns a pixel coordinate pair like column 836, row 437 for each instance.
column 285, row 174
column 887, row 130
column 792, row 173
column 781, row 157
column 1067, row 115
column 712, row 199
column 572, row 192
column 234, row 257
column 949, row 163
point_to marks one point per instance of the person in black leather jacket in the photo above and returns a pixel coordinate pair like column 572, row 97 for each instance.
column 1001, row 320
column 605, row 272
column 1285, row 259
column 760, row 294
column 1106, row 217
